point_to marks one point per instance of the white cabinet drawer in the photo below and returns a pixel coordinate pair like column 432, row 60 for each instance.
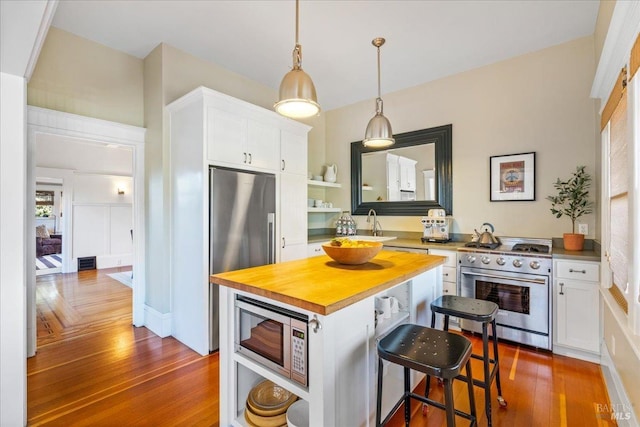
column 451, row 256
column 589, row 271
column 449, row 288
column 449, row 274
column 315, row 249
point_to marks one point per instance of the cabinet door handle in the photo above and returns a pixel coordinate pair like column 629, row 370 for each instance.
column 571, row 270
column 245, row 157
column 249, row 158
column 283, row 243
column 561, row 288
column 283, row 164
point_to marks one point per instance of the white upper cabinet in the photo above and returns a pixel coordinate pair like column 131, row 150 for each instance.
column 407, row 173
column 293, row 153
column 263, row 145
column 235, row 140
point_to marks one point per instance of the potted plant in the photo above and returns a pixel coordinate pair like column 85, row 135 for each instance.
column 572, row 200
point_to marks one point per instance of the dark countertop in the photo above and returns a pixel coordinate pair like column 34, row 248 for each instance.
column 585, row 255
column 409, row 240
column 399, row 242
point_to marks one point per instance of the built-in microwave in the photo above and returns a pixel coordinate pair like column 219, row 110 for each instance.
column 272, row 336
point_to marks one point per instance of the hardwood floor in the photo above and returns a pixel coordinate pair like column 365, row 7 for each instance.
column 93, row 368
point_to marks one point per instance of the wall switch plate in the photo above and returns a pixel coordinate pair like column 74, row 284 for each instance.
column 583, row 229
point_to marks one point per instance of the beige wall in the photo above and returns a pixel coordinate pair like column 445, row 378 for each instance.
column 536, row 102
column 79, row 76
column 605, row 12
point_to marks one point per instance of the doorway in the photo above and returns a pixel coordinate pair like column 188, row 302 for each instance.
column 44, row 124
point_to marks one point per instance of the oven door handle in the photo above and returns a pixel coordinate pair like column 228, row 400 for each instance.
column 519, row 279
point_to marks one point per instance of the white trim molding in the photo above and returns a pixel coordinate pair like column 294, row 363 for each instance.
column 44, row 121
column 623, row 30
column 156, row 322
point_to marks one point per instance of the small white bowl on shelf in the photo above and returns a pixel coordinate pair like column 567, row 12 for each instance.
column 298, row 414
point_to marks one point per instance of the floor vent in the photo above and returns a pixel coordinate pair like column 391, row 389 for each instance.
column 87, row 263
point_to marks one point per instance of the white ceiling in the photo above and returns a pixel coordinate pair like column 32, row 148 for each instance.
column 426, row 40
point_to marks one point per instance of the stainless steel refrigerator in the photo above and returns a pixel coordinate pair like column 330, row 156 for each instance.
column 242, row 208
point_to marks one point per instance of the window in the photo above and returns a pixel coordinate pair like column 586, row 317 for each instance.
column 617, row 198
column 44, row 203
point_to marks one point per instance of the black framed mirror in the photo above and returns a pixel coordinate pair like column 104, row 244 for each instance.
column 406, row 179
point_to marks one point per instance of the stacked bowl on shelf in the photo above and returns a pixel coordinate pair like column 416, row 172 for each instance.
column 267, row 405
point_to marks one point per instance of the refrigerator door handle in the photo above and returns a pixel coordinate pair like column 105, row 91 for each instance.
column 271, row 239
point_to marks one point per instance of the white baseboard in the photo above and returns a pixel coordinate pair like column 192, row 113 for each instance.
column 110, row 261
column 620, row 404
column 577, row 354
column 158, row 323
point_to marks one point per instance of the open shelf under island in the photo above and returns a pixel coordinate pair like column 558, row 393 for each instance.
column 341, row 363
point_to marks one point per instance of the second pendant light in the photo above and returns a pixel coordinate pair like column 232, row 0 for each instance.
column 378, row 133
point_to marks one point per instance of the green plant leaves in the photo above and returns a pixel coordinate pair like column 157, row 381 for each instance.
column 572, row 199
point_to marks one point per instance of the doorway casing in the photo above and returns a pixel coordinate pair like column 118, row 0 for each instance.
column 45, row 121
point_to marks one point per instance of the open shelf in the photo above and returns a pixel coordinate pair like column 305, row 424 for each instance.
column 324, row 184
column 390, row 323
column 321, row 210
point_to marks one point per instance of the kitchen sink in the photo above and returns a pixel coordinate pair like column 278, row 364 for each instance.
column 373, row 238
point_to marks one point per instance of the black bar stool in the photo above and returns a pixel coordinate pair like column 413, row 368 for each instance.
column 480, row 311
column 438, row 353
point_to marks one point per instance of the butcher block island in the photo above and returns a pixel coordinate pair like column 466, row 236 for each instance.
column 311, row 326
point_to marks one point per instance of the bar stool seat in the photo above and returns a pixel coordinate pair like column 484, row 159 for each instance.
column 438, row 353
column 480, row 311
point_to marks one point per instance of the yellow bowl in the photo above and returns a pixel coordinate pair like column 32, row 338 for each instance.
column 262, row 421
column 269, row 399
column 353, row 255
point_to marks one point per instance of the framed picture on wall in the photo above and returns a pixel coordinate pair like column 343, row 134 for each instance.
column 513, row 177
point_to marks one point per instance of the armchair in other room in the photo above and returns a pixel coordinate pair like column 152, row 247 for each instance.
column 47, row 244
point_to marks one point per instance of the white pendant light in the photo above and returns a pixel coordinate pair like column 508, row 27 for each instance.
column 298, row 97
column 378, row 133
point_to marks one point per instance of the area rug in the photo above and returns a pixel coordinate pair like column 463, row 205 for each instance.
column 124, row 277
column 48, row 261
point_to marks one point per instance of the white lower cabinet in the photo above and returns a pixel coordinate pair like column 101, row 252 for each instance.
column 315, row 249
column 576, row 309
column 449, row 275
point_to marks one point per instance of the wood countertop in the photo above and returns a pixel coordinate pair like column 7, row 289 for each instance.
column 323, row 286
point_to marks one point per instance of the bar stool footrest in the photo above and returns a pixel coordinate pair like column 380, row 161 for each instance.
column 427, row 401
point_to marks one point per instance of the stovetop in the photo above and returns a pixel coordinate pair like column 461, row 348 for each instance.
column 513, row 246
column 514, row 254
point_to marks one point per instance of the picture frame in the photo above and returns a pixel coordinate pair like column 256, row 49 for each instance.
column 513, row 177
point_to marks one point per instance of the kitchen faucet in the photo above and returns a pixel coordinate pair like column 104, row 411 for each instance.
column 376, row 228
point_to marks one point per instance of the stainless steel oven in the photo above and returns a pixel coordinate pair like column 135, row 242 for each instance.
column 272, row 336
column 519, row 283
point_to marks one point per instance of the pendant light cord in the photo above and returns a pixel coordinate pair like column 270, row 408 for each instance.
column 297, row 50
column 297, row 19
column 379, row 99
column 378, row 71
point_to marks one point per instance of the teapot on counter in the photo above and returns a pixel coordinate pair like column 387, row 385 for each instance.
column 330, row 173
column 487, row 237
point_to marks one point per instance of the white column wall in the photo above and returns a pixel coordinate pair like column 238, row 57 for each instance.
column 13, row 365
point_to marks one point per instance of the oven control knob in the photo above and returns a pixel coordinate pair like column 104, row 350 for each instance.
column 485, row 260
column 534, row 264
column 471, row 259
column 501, row 261
column 517, row 263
